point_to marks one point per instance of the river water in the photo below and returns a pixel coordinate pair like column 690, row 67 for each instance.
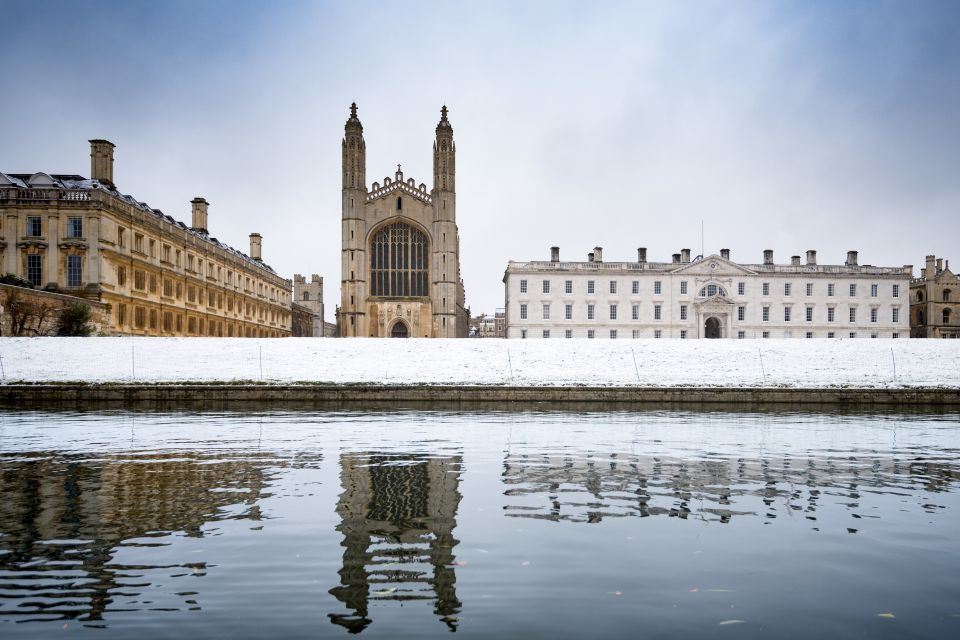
column 539, row 524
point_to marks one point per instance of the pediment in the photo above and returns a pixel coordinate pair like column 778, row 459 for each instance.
column 714, row 302
column 41, row 180
column 714, row 266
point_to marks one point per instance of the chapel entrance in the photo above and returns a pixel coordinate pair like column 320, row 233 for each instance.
column 711, row 328
column 399, row 330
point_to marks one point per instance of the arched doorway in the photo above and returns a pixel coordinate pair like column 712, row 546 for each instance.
column 399, row 330
column 711, row 328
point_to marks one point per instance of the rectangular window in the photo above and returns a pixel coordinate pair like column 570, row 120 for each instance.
column 568, row 312
column 896, row 291
column 153, row 283
column 138, row 242
column 139, row 280
column 809, row 314
column 787, row 288
column 741, row 335
column 613, row 312
column 853, row 314
column 874, row 290
column 766, row 288
column 613, row 334
column 809, row 289
column 831, row 334
column 683, row 312
column 568, row 286
column 568, row 333
column 786, row 314
column 591, row 286
column 590, row 333
column 546, row 311
column 874, row 335
column 657, row 333
column 873, row 315
column 853, row 291
column 613, row 286
column 523, row 333
column 657, row 287
column 546, row 333
column 167, row 288
column 895, row 335
column 741, row 313
column 34, row 271
column 656, row 312
column 74, row 271
column 635, row 333
column 683, row 287
column 590, row 312
column 853, row 334
column 766, row 334
column 831, row 314
column 139, row 317
column 741, row 288
column 523, row 286
column 121, row 276
column 830, row 289
column 896, row 315
column 165, row 253
column 546, row 286
column 635, row 312
column 74, row 227
column 523, row 312
column 766, row 314
column 635, row 287
column 34, row 226
column 121, row 314
column 683, row 334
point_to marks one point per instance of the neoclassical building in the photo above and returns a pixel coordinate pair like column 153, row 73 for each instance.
column 935, row 301
column 711, row 297
column 400, row 263
column 81, row 236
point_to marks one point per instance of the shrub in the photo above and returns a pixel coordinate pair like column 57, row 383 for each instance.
column 15, row 280
column 74, row 320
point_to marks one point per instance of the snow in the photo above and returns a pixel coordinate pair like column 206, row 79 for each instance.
column 861, row 363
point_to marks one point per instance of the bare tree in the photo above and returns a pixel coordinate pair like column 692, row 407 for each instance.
column 27, row 315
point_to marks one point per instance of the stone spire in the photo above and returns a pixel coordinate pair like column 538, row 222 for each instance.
column 444, row 155
column 354, row 152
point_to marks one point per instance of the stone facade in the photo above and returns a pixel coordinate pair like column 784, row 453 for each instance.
column 935, row 301
column 83, row 237
column 310, row 296
column 710, row 297
column 400, row 269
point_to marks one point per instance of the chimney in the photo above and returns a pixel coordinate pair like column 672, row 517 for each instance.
column 923, row 273
column 256, row 245
column 598, row 254
column 939, row 266
column 199, row 206
column 851, row 258
column 811, row 256
column 554, row 254
column 676, row 258
column 101, row 161
column 795, row 261
column 725, row 254
column 590, row 257
column 929, row 272
column 642, row 255
column 685, row 255
column 768, row 256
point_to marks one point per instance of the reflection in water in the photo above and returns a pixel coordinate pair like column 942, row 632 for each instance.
column 397, row 515
column 593, row 487
column 66, row 518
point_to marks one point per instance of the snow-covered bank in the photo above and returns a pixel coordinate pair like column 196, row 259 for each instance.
column 869, row 363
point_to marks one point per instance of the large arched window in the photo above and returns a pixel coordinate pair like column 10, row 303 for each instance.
column 712, row 290
column 398, row 261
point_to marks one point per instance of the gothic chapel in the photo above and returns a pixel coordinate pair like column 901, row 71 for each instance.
column 400, row 263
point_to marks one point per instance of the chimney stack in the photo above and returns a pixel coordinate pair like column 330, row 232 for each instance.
column 199, row 206
column 642, row 255
column 811, row 256
column 929, row 272
column 256, row 246
column 725, row 254
column 101, row 161
column 851, row 258
column 598, row 254
column 554, row 254
column 676, row 258
column 590, row 257
column 795, row 261
column 685, row 255
column 939, row 266
column 768, row 256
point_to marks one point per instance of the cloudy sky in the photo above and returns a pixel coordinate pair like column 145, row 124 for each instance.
column 778, row 125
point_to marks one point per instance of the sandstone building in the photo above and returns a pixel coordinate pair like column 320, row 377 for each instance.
column 935, row 301
column 710, row 297
column 400, row 262
column 308, row 296
column 83, row 237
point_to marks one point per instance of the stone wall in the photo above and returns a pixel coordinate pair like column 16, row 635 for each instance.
column 44, row 324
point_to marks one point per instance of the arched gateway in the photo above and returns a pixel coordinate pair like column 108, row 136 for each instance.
column 711, row 328
column 399, row 330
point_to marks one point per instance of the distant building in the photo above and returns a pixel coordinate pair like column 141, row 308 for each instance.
column 935, row 301
column 500, row 324
column 81, row 236
column 309, row 295
column 710, row 297
column 483, row 326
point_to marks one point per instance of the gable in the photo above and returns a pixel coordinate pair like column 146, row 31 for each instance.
column 714, row 266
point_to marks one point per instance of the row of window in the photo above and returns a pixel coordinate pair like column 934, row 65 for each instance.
column 74, row 270
column 658, row 333
column 34, row 227
column 174, row 322
column 741, row 313
column 712, row 289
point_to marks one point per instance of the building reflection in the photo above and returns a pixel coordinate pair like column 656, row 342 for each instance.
column 591, row 488
column 397, row 516
column 69, row 521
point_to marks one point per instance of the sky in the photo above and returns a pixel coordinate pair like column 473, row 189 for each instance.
column 767, row 124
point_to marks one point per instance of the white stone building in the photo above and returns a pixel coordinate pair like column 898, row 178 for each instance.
column 710, row 297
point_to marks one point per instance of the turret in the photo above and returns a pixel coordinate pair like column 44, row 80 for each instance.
column 353, row 228
column 446, row 273
column 354, row 152
column 444, row 156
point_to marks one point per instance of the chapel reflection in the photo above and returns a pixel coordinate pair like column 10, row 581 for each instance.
column 66, row 520
column 591, row 488
column 397, row 516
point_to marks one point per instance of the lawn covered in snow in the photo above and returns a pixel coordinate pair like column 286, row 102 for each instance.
column 562, row 362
